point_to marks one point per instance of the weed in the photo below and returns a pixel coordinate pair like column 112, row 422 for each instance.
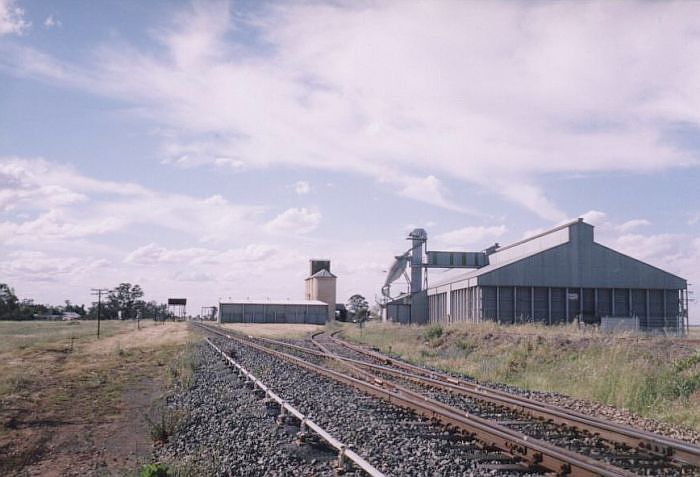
column 181, row 370
column 14, row 384
column 19, row 383
column 164, row 422
column 155, row 470
column 433, row 332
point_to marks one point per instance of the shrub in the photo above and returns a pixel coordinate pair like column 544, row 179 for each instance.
column 163, row 423
column 433, row 332
column 181, row 370
column 155, row 470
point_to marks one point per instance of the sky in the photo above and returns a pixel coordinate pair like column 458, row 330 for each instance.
column 209, row 149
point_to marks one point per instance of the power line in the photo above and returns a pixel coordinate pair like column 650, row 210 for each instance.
column 98, row 292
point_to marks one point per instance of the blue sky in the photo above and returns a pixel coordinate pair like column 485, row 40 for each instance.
column 209, row 149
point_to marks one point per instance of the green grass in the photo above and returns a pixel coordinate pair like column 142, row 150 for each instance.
column 655, row 378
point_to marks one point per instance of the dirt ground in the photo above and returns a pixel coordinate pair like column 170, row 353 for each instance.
column 274, row 330
column 82, row 412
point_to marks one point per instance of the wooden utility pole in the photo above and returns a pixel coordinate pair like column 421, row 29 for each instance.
column 98, row 292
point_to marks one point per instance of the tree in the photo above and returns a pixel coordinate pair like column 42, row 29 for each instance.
column 9, row 304
column 357, row 307
column 125, row 298
column 152, row 309
column 74, row 308
column 375, row 312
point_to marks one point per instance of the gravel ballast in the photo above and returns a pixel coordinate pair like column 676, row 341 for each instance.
column 228, row 429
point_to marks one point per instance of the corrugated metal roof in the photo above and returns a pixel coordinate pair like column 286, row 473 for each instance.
column 323, row 273
column 480, row 271
column 278, row 302
column 569, row 258
column 512, row 253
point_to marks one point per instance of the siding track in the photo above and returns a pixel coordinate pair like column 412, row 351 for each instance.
column 541, row 437
column 672, row 448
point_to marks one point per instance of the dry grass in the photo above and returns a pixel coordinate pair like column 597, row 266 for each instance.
column 70, row 349
column 23, row 335
column 90, row 387
column 273, row 330
column 694, row 332
column 655, row 377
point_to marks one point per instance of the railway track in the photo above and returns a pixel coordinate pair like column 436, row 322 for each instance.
column 635, row 438
column 286, row 410
column 653, row 445
column 541, row 437
column 395, row 441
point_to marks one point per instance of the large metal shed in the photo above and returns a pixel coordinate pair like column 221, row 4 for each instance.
column 302, row 311
column 561, row 276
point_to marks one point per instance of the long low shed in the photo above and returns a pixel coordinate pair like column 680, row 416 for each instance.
column 558, row 277
column 304, row 311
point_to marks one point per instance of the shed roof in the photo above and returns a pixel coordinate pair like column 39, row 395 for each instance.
column 276, row 302
column 565, row 256
column 513, row 252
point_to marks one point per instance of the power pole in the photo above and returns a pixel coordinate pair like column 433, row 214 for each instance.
column 98, row 292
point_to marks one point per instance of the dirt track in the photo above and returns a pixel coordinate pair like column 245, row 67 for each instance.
column 82, row 412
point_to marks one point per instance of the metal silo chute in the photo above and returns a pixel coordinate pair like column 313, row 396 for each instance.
column 397, row 269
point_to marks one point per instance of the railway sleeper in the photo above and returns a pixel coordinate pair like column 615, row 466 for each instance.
column 509, row 467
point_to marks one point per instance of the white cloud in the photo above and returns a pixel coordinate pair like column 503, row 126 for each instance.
column 302, row 187
column 193, row 276
column 633, row 224
column 415, row 92
column 153, row 254
column 51, row 22
column 658, row 248
column 12, row 18
column 607, row 226
column 295, row 221
column 20, row 183
column 62, row 204
column 595, row 217
column 475, row 236
column 425, row 189
column 37, row 266
column 528, row 196
column 57, row 224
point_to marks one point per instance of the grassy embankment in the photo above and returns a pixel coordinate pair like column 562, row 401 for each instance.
column 60, row 388
column 653, row 377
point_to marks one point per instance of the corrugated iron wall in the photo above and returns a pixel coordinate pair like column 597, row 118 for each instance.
column 273, row 313
column 557, row 305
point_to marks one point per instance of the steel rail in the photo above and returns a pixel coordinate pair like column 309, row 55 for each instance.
column 678, row 450
column 654, row 444
column 343, row 451
column 533, row 451
column 351, row 364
